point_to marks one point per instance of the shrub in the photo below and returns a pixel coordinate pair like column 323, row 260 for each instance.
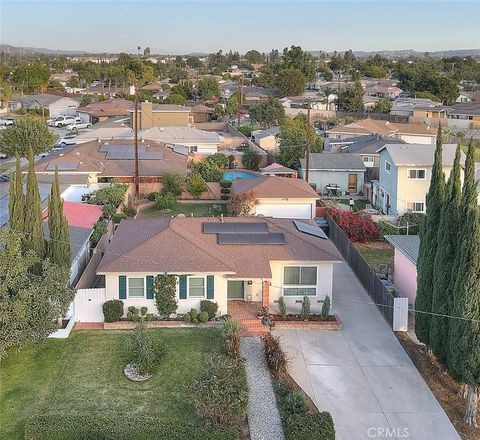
column 129, row 211
column 246, row 130
column 149, row 317
column 282, row 306
column 358, row 226
column 225, row 183
column 243, row 203
column 118, row 217
column 383, row 228
column 221, row 394
column 211, row 307
column 309, row 426
column 187, row 318
column 110, row 195
column 276, row 358
column 164, row 288
column 112, row 310
column 305, row 307
column 172, row 184
column 209, row 170
column 225, row 190
column 196, row 185
column 143, row 311
column 251, row 159
column 314, row 186
column 193, row 313
column 98, row 230
column 166, row 202
column 119, row 426
column 130, row 316
column 220, row 159
column 152, row 196
column 131, row 309
column 144, row 349
column 325, row 309
column 203, row 317
column 224, row 197
column 293, row 403
column 231, row 337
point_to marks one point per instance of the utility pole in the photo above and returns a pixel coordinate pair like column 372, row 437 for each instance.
column 136, row 144
column 240, row 99
column 307, row 149
column 43, row 105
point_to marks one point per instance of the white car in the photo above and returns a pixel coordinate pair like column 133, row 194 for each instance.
column 78, row 125
column 62, row 121
column 69, row 139
column 6, row 121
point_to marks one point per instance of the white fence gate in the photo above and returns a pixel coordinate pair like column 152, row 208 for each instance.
column 88, row 305
column 400, row 314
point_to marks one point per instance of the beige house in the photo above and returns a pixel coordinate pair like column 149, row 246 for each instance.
column 162, row 115
column 231, row 259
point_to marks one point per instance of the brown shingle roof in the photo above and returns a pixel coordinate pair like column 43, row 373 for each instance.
column 179, row 245
column 110, row 107
column 274, row 187
column 384, row 128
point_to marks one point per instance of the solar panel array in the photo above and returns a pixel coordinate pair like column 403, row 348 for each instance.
column 127, row 152
column 235, row 228
column 63, row 166
column 269, row 238
column 310, row 229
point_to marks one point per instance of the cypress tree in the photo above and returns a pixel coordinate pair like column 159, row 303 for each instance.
column 11, row 199
column 17, row 199
column 59, row 250
column 33, row 228
column 464, row 334
column 444, row 260
column 428, row 245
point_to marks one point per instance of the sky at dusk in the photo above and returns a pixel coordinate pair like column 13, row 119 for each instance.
column 171, row 27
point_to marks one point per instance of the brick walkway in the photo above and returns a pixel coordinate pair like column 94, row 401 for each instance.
column 246, row 313
column 88, row 326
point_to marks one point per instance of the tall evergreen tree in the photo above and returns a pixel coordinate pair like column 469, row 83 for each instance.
column 16, row 204
column 33, row 228
column 428, row 245
column 11, row 198
column 59, row 250
column 464, row 335
column 444, row 260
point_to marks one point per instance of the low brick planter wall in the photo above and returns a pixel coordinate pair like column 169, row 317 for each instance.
column 128, row 325
column 314, row 325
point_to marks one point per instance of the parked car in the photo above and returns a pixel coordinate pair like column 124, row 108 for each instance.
column 3, row 155
column 62, row 121
column 6, row 121
column 78, row 125
column 4, row 178
column 69, row 139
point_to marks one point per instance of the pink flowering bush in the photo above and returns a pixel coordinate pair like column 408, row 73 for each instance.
column 358, row 226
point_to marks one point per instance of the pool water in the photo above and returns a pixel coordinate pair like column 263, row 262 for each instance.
column 233, row 175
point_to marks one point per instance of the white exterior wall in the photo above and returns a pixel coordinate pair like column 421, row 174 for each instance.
column 287, row 208
column 64, row 106
column 414, row 139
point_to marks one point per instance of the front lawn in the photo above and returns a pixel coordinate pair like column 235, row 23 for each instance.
column 189, row 209
column 359, row 203
column 376, row 253
column 84, row 374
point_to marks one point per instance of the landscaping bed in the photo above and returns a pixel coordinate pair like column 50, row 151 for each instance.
column 81, row 380
column 188, row 209
column 332, row 322
column 128, row 325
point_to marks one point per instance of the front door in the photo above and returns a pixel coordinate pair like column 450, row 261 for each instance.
column 235, row 290
column 352, row 183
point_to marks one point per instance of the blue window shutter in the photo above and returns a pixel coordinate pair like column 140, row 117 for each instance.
column 182, row 286
column 150, row 287
column 122, row 287
column 210, row 287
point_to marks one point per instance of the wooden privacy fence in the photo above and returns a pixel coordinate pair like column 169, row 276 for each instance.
column 370, row 281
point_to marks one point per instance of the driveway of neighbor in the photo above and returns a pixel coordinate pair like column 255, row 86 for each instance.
column 362, row 375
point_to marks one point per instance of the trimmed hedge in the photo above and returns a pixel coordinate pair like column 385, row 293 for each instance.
column 112, row 310
column 119, row 427
column 309, row 426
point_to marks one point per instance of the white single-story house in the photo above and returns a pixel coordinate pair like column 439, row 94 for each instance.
column 220, row 259
column 54, row 104
column 344, row 171
column 280, row 197
column 405, row 263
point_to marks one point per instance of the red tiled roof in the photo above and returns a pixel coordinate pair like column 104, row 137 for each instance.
column 81, row 215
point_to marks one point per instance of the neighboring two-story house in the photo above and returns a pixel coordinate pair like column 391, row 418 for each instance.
column 404, row 176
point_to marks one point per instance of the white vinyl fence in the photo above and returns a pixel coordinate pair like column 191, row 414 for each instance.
column 400, row 314
column 88, row 305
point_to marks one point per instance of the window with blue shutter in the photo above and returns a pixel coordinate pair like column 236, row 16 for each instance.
column 122, row 287
column 210, row 287
column 182, row 287
column 150, row 294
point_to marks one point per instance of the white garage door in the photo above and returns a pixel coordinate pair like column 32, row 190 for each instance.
column 299, row 210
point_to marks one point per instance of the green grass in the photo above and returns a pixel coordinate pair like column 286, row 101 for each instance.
column 84, row 373
column 359, row 204
column 189, row 209
column 477, row 152
column 376, row 253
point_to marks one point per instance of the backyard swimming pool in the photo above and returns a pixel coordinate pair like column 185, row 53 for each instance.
column 234, row 175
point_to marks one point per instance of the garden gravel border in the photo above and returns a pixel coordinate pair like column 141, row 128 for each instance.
column 263, row 415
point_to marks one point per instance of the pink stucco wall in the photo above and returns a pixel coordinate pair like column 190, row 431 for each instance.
column 405, row 276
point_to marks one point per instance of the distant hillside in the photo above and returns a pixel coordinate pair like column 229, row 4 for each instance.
column 14, row 50
column 412, row 53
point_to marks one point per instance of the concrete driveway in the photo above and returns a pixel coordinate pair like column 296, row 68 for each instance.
column 362, row 375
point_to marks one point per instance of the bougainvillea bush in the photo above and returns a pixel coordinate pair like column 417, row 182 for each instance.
column 358, row 226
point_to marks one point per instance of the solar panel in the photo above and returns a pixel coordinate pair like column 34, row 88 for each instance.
column 127, row 152
column 269, row 238
column 235, row 228
column 310, row 229
column 63, row 166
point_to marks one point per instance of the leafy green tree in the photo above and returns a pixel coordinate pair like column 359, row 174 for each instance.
column 351, row 99
column 5, row 93
column 194, row 62
column 232, row 106
column 196, row 185
column 443, row 265
column 464, row 329
column 146, row 52
column 209, row 170
column 33, row 228
column 267, row 113
column 175, row 98
column 294, row 131
column 375, row 71
column 26, row 134
column 59, row 251
column 172, row 183
column 184, row 89
column 31, row 299
column 208, row 88
column 291, row 82
column 251, row 159
column 295, row 58
column 254, row 57
column 428, row 246
column 220, row 159
column 382, row 106
column 30, row 77
column 73, row 81
column 267, row 78
column 86, row 99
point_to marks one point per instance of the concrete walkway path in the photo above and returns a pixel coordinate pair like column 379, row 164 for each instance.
column 263, row 416
column 362, row 374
